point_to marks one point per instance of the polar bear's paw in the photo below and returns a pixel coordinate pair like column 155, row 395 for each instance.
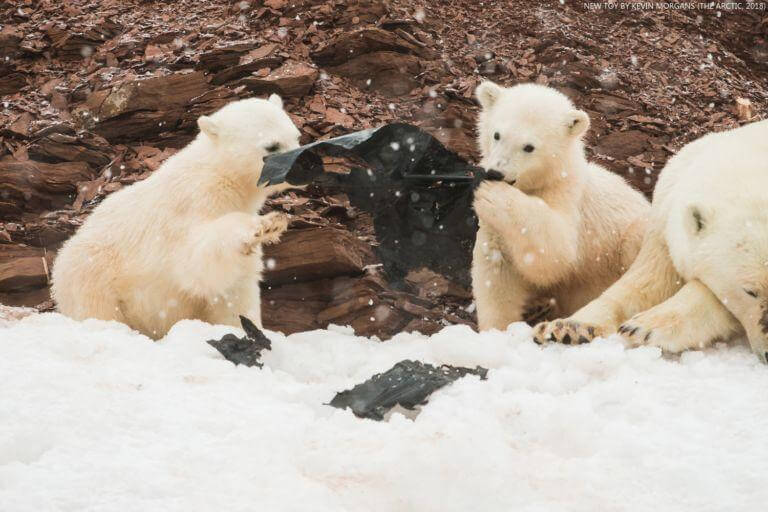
column 264, row 229
column 667, row 329
column 492, row 198
column 568, row 332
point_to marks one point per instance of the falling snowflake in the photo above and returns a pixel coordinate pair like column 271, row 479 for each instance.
column 419, row 15
column 86, row 51
column 270, row 263
column 395, row 146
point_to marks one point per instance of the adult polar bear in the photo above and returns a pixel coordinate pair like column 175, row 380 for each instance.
column 558, row 227
column 185, row 242
column 702, row 272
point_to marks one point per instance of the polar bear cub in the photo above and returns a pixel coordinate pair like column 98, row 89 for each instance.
column 556, row 227
column 702, row 272
column 185, row 242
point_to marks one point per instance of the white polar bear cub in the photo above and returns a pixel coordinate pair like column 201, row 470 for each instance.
column 185, row 242
column 557, row 227
column 702, row 272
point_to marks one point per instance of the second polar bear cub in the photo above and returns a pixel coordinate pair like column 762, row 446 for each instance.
column 556, row 227
column 185, row 242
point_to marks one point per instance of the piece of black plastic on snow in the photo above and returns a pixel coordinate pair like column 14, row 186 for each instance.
column 246, row 350
column 408, row 384
column 418, row 192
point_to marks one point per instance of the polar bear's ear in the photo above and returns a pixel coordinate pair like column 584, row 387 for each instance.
column 696, row 219
column 276, row 100
column 487, row 93
column 208, row 127
column 578, row 122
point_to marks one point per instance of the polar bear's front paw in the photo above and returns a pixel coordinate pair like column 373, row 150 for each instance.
column 568, row 332
column 667, row 330
column 491, row 198
column 264, row 229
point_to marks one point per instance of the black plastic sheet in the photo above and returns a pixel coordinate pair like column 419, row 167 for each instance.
column 408, row 384
column 246, row 350
column 418, row 192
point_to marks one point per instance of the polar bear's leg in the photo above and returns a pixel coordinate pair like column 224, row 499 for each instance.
column 244, row 299
column 540, row 241
column 218, row 254
column 651, row 279
column 692, row 318
column 500, row 292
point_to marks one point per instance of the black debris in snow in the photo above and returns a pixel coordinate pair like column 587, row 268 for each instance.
column 246, row 350
column 408, row 384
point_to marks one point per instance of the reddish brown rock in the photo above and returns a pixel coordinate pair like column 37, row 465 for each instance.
column 623, row 144
column 350, row 45
column 36, row 186
column 390, row 73
column 289, row 80
column 309, row 254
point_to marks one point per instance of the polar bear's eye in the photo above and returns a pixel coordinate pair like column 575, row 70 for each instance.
column 496, row 136
column 528, row 148
column 273, row 147
column 751, row 293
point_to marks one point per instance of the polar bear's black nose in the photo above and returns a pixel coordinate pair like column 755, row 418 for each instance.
column 494, row 175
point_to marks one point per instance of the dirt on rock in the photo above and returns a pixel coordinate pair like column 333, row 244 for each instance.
column 96, row 94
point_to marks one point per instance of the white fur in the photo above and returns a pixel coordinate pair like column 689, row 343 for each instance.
column 706, row 247
column 566, row 229
column 185, row 242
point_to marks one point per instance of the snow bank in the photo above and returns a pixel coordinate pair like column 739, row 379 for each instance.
column 96, row 417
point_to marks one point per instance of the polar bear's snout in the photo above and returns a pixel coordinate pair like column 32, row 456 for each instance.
column 494, row 175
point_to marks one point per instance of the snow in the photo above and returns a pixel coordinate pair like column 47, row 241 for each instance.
column 94, row 416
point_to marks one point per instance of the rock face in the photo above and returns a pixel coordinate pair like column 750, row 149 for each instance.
column 95, row 96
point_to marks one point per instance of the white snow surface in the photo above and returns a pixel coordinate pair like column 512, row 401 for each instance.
column 95, row 417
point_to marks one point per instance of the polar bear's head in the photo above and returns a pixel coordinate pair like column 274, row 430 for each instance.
column 528, row 132
column 727, row 250
column 243, row 132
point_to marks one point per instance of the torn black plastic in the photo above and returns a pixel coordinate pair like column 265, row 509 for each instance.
column 408, row 384
column 246, row 350
column 418, row 192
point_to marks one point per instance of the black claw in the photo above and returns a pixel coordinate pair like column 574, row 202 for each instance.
column 591, row 331
column 552, row 338
column 633, row 331
column 567, row 339
column 647, row 336
column 766, row 357
column 583, row 340
column 536, row 340
column 621, row 329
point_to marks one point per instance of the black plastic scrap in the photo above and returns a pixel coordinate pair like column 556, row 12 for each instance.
column 408, row 384
column 246, row 350
column 418, row 192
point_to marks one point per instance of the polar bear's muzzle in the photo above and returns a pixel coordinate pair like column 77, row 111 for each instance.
column 494, row 175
